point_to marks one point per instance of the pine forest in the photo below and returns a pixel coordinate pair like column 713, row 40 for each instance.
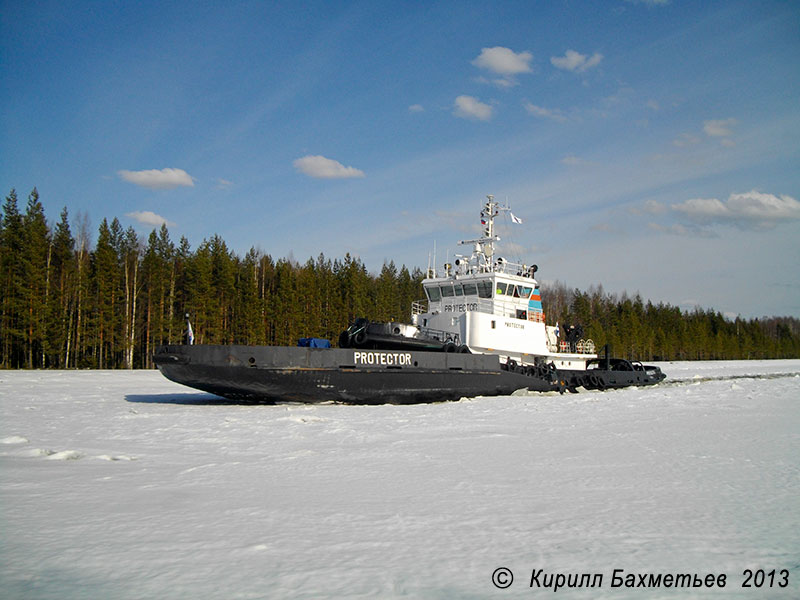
column 66, row 304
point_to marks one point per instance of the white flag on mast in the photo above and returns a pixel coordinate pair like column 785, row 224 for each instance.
column 515, row 219
column 189, row 332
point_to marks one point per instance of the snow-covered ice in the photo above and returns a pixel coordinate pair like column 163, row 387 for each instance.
column 125, row 485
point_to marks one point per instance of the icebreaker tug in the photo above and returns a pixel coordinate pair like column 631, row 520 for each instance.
column 480, row 331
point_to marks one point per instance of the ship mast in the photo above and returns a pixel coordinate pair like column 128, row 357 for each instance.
column 483, row 247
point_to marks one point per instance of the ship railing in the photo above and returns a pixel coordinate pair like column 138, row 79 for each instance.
column 441, row 335
column 419, row 307
column 579, row 347
column 475, row 266
column 501, row 265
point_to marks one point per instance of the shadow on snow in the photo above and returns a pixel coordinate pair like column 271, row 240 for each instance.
column 196, row 399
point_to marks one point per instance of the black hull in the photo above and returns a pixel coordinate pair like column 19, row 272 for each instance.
column 313, row 375
column 607, row 379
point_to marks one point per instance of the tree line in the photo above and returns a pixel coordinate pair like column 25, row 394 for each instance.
column 66, row 304
column 645, row 331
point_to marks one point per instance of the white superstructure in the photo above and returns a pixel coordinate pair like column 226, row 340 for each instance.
column 492, row 306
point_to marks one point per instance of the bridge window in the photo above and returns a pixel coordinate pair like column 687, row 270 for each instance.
column 484, row 289
column 447, row 291
column 501, row 288
column 459, row 289
column 470, row 289
column 433, row 293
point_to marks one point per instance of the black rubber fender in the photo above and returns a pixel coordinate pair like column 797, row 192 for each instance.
column 344, row 340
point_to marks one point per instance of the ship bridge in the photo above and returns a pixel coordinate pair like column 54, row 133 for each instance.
column 494, row 293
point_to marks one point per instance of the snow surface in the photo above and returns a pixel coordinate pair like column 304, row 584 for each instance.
column 125, row 485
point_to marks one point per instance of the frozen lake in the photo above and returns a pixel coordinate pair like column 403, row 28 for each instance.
column 126, row 485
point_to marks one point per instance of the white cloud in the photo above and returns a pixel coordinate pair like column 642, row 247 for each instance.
column 575, row 61
column 719, row 127
column 545, row 113
column 155, row 179
column 703, row 209
column 147, row 217
column 468, row 107
column 504, row 61
column 325, row 168
column 751, row 210
column 415, row 108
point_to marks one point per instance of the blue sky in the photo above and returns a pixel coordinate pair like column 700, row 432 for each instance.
column 650, row 147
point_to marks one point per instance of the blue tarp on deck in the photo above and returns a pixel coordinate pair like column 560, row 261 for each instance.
column 313, row 343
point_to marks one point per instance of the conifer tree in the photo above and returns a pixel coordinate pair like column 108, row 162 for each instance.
column 158, row 276
column 387, row 294
column 223, row 283
column 104, row 277
column 129, row 254
column 82, row 354
column 12, row 274
column 61, row 304
column 248, row 306
column 36, row 262
column 180, row 298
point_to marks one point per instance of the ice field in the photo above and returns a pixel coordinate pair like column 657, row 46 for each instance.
column 124, row 485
